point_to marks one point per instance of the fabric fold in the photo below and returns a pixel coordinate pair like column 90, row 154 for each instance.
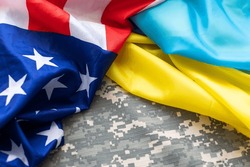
column 214, row 32
column 144, row 70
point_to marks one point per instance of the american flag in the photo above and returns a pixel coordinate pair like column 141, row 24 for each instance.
column 53, row 56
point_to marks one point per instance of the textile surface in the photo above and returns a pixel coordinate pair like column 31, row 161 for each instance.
column 50, row 68
column 120, row 129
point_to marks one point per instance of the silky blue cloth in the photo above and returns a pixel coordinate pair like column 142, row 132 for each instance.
column 44, row 77
column 215, row 32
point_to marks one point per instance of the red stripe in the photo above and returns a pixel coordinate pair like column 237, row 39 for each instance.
column 115, row 17
column 48, row 16
column 59, row 3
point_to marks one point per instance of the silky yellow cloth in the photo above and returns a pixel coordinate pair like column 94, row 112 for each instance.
column 144, row 70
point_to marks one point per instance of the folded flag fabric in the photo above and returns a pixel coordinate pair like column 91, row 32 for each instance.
column 222, row 93
column 215, row 32
column 53, row 56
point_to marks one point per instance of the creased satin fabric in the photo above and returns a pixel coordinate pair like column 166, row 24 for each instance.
column 221, row 93
column 215, row 32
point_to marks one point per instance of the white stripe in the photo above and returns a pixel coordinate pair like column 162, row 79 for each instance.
column 87, row 10
column 88, row 31
column 156, row 2
column 14, row 12
column 85, row 20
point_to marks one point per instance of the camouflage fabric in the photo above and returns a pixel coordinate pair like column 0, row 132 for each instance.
column 124, row 130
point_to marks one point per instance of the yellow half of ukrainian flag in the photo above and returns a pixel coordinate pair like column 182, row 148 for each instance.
column 144, row 70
